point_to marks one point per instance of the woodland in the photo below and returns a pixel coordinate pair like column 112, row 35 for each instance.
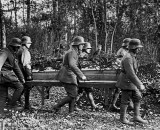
column 51, row 23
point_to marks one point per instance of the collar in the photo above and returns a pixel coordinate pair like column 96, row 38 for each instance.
column 132, row 54
column 11, row 50
column 76, row 50
column 24, row 47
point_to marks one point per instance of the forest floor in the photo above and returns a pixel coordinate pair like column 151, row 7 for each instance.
column 41, row 118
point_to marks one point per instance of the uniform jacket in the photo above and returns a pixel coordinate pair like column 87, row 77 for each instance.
column 24, row 60
column 121, row 52
column 9, row 65
column 70, row 71
column 128, row 79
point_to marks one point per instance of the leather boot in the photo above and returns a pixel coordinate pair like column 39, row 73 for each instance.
column 27, row 95
column 123, row 113
column 137, row 116
column 72, row 105
column 62, row 103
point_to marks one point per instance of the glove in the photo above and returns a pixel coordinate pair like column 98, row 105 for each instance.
column 142, row 87
column 28, row 72
column 29, row 78
column 84, row 78
column 23, row 81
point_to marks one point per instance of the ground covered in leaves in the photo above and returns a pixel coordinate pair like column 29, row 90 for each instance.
column 42, row 118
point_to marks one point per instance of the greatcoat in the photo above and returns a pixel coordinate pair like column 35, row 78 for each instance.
column 128, row 79
column 69, row 72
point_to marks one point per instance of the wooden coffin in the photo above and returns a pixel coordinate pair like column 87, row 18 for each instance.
column 96, row 78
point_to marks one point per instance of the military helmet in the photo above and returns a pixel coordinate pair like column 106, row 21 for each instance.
column 26, row 40
column 87, row 45
column 134, row 43
column 126, row 42
column 15, row 42
column 78, row 40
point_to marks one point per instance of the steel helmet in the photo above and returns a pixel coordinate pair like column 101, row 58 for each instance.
column 87, row 45
column 15, row 42
column 126, row 42
column 134, row 43
column 26, row 40
column 78, row 40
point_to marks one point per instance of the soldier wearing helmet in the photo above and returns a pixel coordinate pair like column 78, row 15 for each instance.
column 120, row 53
column 69, row 73
column 24, row 59
column 10, row 74
column 86, row 50
column 85, row 55
column 130, row 84
column 124, row 48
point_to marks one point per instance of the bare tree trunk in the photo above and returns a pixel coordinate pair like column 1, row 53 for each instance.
column 105, row 24
column 112, row 39
column 1, row 26
column 24, row 12
column 15, row 13
column 28, row 12
column 95, row 25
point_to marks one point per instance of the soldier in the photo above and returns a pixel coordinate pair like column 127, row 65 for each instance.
column 11, row 74
column 130, row 84
column 99, row 51
column 99, row 55
column 120, row 53
column 124, row 48
column 24, row 59
column 69, row 73
column 85, row 54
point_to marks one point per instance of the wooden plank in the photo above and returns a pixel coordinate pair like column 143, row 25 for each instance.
column 91, row 83
column 90, row 74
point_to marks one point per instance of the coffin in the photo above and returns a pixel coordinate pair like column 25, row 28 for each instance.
column 108, row 75
column 96, row 78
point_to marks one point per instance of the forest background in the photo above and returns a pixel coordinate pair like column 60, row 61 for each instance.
column 107, row 22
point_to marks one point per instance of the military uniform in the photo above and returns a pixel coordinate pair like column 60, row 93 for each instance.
column 130, row 84
column 82, row 56
column 24, row 60
column 11, row 75
column 69, row 73
column 70, row 68
column 128, row 80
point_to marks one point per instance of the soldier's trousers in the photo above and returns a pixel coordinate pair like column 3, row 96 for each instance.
column 3, row 95
column 27, row 90
column 17, row 92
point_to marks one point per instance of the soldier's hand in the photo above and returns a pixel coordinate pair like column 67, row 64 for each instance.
column 142, row 87
column 84, row 78
column 23, row 81
column 29, row 78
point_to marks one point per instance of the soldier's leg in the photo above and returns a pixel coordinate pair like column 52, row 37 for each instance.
column 137, row 101
column 115, row 98
column 3, row 93
column 90, row 97
column 27, row 90
column 79, row 95
column 17, row 92
column 125, row 99
column 71, row 90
